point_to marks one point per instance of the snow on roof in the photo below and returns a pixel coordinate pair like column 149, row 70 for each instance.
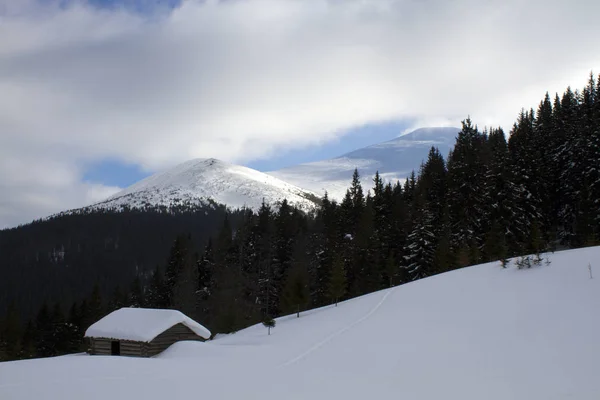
column 142, row 324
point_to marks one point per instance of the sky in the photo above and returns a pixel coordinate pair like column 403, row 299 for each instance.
column 95, row 94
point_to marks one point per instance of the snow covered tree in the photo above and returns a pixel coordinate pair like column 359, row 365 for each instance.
column 206, row 284
column 432, row 187
column 467, row 170
column 420, row 248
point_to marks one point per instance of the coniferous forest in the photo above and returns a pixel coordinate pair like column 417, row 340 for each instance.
column 497, row 195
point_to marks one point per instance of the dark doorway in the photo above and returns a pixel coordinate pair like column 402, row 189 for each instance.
column 115, row 348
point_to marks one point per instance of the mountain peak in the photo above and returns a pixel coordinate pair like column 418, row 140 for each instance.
column 394, row 159
column 206, row 180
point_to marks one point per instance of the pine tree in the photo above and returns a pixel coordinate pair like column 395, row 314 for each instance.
column 136, row 294
column 95, row 309
column 467, row 170
column 536, row 243
column 503, row 194
column 28, row 345
column 73, row 334
column 157, row 296
column 178, row 257
column 432, row 186
column 206, row 284
column 569, row 163
column 185, row 288
column 391, row 269
column 495, row 244
column 10, row 334
column 443, row 257
column 420, row 248
column 296, row 295
column 60, row 332
column 365, row 269
column 118, row 300
column 337, row 280
column 269, row 323
column 227, row 300
column 524, row 164
column 44, row 333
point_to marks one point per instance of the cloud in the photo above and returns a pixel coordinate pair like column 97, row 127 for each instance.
column 243, row 79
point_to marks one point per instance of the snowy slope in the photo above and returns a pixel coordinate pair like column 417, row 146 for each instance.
column 477, row 333
column 202, row 180
column 394, row 160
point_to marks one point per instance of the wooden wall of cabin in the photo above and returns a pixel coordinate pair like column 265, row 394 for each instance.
column 101, row 346
column 174, row 334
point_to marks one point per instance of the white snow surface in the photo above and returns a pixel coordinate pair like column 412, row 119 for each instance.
column 142, row 324
column 202, row 181
column 394, row 159
column 482, row 332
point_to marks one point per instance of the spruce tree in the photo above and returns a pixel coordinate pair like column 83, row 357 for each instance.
column 495, row 244
column 135, row 297
column 206, row 284
column 157, row 291
column 296, row 295
column 391, row 269
column 181, row 276
column 10, row 334
column 73, row 333
column 269, row 323
column 28, row 342
column 44, row 332
column 95, row 308
column 337, row 280
column 60, row 328
column 420, row 248
column 467, row 170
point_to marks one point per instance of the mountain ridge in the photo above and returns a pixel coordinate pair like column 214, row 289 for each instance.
column 207, row 181
column 334, row 175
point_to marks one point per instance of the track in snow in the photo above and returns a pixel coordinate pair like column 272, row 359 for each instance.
column 338, row 333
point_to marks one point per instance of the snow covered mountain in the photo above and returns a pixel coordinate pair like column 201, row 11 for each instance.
column 394, row 160
column 202, row 181
column 476, row 333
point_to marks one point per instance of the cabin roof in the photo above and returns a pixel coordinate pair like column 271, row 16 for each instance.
column 142, row 324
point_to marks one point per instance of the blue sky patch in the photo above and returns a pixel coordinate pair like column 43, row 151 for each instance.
column 114, row 173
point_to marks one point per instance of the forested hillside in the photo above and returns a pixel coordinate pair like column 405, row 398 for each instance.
column 62, row 258
column 489, row 199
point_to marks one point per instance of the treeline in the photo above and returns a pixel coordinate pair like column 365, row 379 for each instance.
column 490, row 199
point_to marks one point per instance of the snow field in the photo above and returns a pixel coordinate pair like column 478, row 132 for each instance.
column 477, row 333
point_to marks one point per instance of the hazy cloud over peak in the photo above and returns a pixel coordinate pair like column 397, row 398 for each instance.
column 240, row 79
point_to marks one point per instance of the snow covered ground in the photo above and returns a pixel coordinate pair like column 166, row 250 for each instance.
column 477, row 333
column 394, row 159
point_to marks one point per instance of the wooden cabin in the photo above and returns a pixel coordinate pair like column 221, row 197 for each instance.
column 141, row 332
